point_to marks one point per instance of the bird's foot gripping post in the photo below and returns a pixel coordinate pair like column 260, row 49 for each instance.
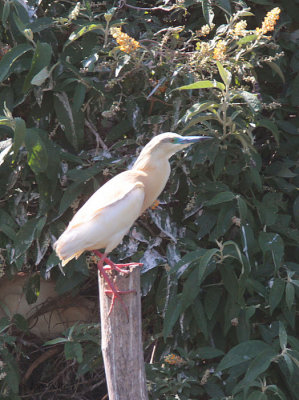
column 113, row 291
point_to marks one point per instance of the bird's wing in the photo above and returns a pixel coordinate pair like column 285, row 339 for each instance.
column 100, row 223
column 109, row 194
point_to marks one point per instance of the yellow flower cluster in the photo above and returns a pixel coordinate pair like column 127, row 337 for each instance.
column 205, row 30
column 174, row 359
column 220, row 50
column 126, row 43
column 240, row 28
column 269, row 21
column 155, row 204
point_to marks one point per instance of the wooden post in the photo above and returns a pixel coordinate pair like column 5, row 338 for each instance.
column 122, row 339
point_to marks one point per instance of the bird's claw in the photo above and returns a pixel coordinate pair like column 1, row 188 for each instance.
column 113, row 291
column 120, row 267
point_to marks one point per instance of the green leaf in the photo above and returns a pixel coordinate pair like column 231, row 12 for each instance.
column 73, row 350
column 288, row 127
column 226, row 76
column 294, row 91
column 211, row 300
column 12, row 378
column 40, row 24
column 20, row 322
column 187, row 259
column 55, row 341
column 79, row 97
column 259, row 365
column 40, row 77
column 204, row 262
column 290, row 295
column 190, row 290
column 244, row 351
column 41, row 59
column 199, row 119
column 278, row 392
column 5, row 13
column 257, row 395
column 199, row 315
column 70, row 121
column 27, row 234
column 225, row 6
column 222, row 197
column 207, row 353
column 252, row 100
column 71, row 193
column 19, row 135
column 283, row 337
column 172, row 314
column 207, row 11
column 9, row 58
column 246, row 39
column 272, row 242
column 37, row 151
column 82, row 31
column 271, row 126
column 230, row 281
column 276, row 69
column 290, row 365
column 196, row 109
column 4, row 321
column 203, row 85
column 276, row 293
column 242, row 206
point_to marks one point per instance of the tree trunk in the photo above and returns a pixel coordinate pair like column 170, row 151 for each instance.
column 122, row 339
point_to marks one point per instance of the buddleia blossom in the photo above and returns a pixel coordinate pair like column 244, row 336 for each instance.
column 126, row 43
column 219, row 52
column 75, row 12
column 240, row 28
column 269, row 22
column 205, row 30
column 174, row 359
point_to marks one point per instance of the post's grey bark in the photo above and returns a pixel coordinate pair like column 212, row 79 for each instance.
column 122, row 340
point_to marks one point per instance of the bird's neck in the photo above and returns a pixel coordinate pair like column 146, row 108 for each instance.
column 154, row 175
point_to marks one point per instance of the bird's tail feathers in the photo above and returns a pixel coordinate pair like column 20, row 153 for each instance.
column 66, row 249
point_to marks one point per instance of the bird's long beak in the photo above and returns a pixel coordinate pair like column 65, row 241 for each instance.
column 192, row 139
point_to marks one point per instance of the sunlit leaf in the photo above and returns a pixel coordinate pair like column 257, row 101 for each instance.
column 247, row 39
column 226, row 76
column 82, row 31
column 9, row 58
column 203, row 85
column 41, row 59
column 37, row 151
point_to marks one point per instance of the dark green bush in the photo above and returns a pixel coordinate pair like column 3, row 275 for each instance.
column 220, row 252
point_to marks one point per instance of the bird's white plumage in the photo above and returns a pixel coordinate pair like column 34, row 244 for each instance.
column 104, row 219
column 110, row 212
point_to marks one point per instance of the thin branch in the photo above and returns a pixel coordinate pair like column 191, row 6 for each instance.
column 99, row 140
column 123, row 3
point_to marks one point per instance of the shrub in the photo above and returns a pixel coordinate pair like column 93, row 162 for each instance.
column 80, row 86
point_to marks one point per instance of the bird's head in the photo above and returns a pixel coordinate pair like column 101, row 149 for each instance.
column 167, row 144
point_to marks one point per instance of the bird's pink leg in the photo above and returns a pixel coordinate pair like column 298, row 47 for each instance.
column 116, row 267
column 113, row 289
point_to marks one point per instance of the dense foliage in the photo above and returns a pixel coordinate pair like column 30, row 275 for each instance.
column 78, row 97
